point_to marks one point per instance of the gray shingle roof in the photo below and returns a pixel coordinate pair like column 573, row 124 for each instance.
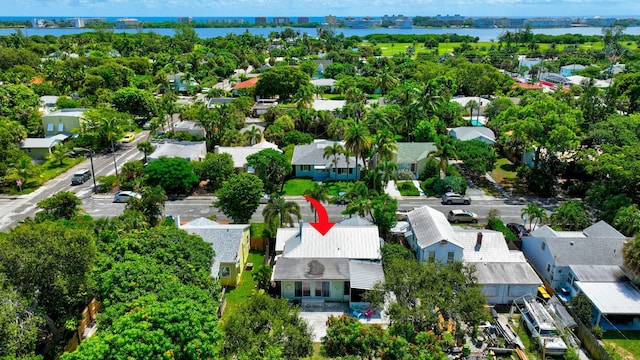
column 602, row 229
column 586, row 250
column 431, row 226
column 313, row 154
column 225, row 239
column 311, row 268
column 410, row 153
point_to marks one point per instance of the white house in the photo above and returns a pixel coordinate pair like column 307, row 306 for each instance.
column 188, row 150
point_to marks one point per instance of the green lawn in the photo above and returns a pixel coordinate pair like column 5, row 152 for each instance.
column 336, row 187
column 627, row 346
column 408, row 189
column 247, row 286
column 46, row 172
column 297, row 187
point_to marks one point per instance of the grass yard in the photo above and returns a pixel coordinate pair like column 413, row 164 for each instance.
column 408, row 189
column 628, row 347
column 336, row 187
column 505, row 174
column 316, row 353
column 297, row 187
column 247, row 286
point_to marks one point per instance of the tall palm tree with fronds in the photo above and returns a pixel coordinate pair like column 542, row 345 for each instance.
column 279, row 212
column 534, row 214
column 23, row 169
column 304, row 97
column 445, row 151
column 320, row 193
column 472, row 105
column 334, row 150
column 253, row 135
column 60, row 154
column 357, row 139
column 146, row 147
column 385, row 81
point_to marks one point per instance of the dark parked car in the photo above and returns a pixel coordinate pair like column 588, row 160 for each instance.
column 518, row 229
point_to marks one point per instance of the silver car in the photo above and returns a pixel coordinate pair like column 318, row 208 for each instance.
column 124, row 196
column 455, row 198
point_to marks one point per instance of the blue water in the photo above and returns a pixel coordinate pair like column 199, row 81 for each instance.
column 481, row 34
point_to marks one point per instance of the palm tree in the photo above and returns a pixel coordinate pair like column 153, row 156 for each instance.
column 279, row 212
column 357, row 139
column 385, row 81
column 472, row 105
column 533, row 213
column 59, row 154
column 22, row 170
column 320, row 193
column 445, row 152
column 146, row 147
column 334, row 150
column 253, row 135
column 304, row 96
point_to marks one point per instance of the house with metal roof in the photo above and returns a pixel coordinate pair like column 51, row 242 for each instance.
column 552, row 252
column 466, row 133
column 309, row 161
column 503, row 274
column 339, row 266
column 588, row 262
column 413, row 156
column 191, row 127
column 64, row 121
column 230, row 244
column 188, row 150
column 239, row 154
column 41, row 148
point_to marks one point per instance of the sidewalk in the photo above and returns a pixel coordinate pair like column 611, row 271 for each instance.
column 392, row 190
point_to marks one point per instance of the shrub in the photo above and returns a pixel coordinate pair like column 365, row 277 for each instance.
column 455, row 184
column 497, row 225
column 405, row 175
column 106, row 183
column 408, row 189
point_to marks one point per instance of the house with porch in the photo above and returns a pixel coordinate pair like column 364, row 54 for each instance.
column 339, row 266
column 413, row 156
column 309, row 161
column 230, row 243
column 504, row 275
column 41, row 148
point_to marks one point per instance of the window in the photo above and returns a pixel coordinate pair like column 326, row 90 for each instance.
column 543, row 246
column 347, row 288
column 298, row 291
column 50, row 127
column 322, row 288
column 548, row 267
column 305, row 167
column 306, row 288
column 342, row 171
column 225, row 272
column 432, row 256
column 61, row 127
column 450, row 257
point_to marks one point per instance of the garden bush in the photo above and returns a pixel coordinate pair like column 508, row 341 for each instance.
column 408, row 189
column 497, row 225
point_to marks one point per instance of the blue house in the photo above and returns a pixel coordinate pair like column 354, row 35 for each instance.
column 433, row 238
column 309, row 161
column 571, row 69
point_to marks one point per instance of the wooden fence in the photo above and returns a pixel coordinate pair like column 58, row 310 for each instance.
column 258, row 243
column 88, row 316
column 223, row 302
column 588, row 340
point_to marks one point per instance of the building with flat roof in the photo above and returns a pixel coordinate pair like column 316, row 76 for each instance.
column 127, row 23
column 330, row 19
column 260, row 20
column 303, row 20
column 186, row 19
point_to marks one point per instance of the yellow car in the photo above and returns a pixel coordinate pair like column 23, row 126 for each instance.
column 127, row 138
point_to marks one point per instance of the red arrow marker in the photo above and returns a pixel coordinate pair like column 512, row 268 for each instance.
column 323, row 225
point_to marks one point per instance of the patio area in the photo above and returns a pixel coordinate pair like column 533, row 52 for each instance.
column 316, row 315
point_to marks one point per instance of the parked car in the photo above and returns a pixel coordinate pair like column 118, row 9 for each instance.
column 342, row 198
column 127, row 138
column 459, row 215
column 124, row 196
column 264, row 199
column 455, row 198
column 518, row 229
column 80, row 177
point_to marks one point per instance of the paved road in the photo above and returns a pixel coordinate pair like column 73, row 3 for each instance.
column 16, row 208
column 200, row 206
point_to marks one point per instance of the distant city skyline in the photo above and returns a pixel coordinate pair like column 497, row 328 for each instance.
column 289, row 8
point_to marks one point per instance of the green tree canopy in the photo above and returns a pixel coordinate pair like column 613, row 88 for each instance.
column 63, row 205
column 282, row 81
column 215, row 169
column 271, row 166
column 137, row 102
column 174, row 175
column 239, row 197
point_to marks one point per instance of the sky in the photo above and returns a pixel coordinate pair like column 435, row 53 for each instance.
column 293, row 8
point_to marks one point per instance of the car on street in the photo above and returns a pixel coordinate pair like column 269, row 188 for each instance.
column 124, row 196
column 459, row 216
column 128, row 137
column 518, row 229
column 80, row 177
column 451, row 198
column 342, row 198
